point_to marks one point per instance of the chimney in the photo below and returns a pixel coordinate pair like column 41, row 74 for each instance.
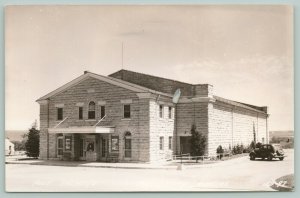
column 85, row 72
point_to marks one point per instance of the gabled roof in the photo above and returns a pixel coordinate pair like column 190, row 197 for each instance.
column 110, row 80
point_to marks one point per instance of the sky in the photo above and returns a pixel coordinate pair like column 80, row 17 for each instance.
column 245, row 52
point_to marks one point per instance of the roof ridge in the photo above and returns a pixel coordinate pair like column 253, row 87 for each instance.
column 154, row 77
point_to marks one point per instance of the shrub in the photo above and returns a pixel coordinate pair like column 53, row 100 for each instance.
column 220, row 151
column 247, row 149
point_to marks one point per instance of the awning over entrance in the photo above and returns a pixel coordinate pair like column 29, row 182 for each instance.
column 84, row 129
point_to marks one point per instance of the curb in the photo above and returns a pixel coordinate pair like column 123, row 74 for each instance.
column 94, row 166
column 172, row 167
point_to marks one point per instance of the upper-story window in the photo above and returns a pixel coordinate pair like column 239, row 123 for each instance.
column 102, row 111
column 170, row 112
column 92, row 110
column 60, row 113
column 126, row 111
column 80, row 113
column 161, row 111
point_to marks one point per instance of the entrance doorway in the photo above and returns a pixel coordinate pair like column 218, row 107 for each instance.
column 87, row 148
column 185, row 144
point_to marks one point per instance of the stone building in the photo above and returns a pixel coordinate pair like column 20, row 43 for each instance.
column 129, row 116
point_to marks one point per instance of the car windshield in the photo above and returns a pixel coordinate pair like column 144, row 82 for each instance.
column 277, row 146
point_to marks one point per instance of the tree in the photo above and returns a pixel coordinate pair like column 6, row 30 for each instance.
column 33, row 142
column 198, row 142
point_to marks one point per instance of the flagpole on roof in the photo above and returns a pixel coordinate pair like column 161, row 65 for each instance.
column 122, row 54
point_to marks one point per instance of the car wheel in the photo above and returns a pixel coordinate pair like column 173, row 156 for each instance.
column 270, row 157
column 252, row 157
column 281, row 158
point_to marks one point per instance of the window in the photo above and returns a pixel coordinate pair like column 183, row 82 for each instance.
column 127, row 144
column 60, row 146
column 170, row 112
column 170, row 143
column 115, row 143
column 161, row 111
column 68, row 143
column 102, row 112
column 127, row 111
column 161, row 143
column 60, row 113
column 80, row 113
column 91, row 113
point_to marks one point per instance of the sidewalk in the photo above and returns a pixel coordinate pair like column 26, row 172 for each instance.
column 166, row 165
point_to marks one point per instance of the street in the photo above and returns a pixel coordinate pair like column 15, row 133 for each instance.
column 233, row 175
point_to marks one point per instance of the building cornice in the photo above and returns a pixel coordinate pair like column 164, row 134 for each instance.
column 43, row 102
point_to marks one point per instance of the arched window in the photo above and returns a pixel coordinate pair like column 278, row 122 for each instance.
column 92, row 113
column 127, row 144
column 127, row 134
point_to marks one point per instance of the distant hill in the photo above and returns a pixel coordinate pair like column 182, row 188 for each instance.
column 15, row 135
column 289, row 134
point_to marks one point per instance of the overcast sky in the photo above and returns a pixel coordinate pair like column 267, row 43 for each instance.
column 245, row 52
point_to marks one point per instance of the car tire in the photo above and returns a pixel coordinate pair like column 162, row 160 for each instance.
column 270, row 157
column 281, row 158
column 252, row 157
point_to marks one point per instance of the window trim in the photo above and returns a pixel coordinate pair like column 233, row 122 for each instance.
column 170, row 112
column 124, row 111
column 102, row 116
column 80, row 113
column 62, row 113
column 161, row 113
column 90, row 111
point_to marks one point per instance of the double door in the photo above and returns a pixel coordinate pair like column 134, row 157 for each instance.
column 88, row 149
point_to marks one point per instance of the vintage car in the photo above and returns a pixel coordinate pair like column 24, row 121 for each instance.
column 267, row 151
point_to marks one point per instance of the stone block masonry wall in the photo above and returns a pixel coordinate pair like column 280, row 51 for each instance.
column 160, row 127
column 187, row 115
column 43, row 130
column 229, row 126
column 95, row 90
